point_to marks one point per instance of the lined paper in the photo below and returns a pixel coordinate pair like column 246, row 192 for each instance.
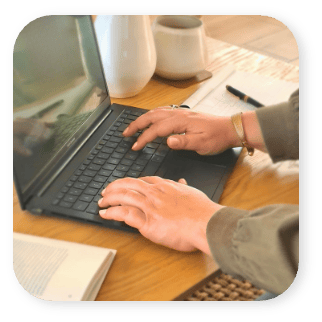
column 219, row 101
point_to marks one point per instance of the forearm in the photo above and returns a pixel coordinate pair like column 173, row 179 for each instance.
column 251, row 244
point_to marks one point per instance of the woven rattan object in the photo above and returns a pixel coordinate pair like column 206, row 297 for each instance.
column 221, row 287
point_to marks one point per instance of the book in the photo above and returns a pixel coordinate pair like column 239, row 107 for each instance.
column 213, row 98
column 57, row 270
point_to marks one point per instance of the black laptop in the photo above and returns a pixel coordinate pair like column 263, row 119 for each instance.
column 67, row 141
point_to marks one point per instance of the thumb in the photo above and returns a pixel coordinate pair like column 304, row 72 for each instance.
column 182, row 142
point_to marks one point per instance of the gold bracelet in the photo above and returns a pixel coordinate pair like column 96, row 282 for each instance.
column 238, row 124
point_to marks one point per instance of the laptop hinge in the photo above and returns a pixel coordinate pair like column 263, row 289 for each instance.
column 62, row 167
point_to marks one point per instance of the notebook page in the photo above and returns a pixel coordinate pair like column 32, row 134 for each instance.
column 266, row 90
column 58, row 270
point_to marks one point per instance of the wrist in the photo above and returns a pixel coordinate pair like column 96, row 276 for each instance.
column 201, row 241
column 252, row 130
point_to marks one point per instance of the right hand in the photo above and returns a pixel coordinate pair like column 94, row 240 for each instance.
column 204, row 133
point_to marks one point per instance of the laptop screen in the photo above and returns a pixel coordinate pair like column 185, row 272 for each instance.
column 57, row 84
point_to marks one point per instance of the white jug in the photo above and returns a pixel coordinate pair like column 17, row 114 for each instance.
column 128, row 53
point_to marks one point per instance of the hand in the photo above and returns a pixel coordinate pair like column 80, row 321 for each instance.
column 206, row 134
column 166, row 212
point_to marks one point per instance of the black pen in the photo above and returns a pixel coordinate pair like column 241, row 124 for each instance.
column 243, row 96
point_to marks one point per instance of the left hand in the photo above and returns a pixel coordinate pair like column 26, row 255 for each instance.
column 166, row 212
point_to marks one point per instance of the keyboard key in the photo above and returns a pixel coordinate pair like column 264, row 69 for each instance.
column 117, row 155
column 121, row 150
column 125, row 144
column 122, row 127
column 103, row 155
column 119, row 174
column 129, row 139
column 115, row 139
column 69, row 183
column 99, row 161
column 89, row 173
column 80, row 185
column 148, row 150
column 94, row 167
column 55, row 202
column 122, row 167
column 75, row 192
column 109, row 166
column 131, row 156
column 84, row 179
column 113, row 160
column 100, row 179
column 65, row 204
column 118, row 134
column 93, row 208
column 132, row 117
column 127, row 162
column 87, row 198
column 111, row 144
column 65, row 189
column 133, row 173
column 70, row 198
column 91, row 191
column 60, row 195
column 80, row 205
column 137, row 167
column 105, row 173
column 95, row 184
column 157, row 158
column 107, row 150
column 106, row 137
column 162, row 150
column 152, row 145
column 141, row 162
column 73, row 178
column 145, row 156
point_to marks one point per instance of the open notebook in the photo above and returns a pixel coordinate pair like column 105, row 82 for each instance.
column 57, row 270
column 213, row 98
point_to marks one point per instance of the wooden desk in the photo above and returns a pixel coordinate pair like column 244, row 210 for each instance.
column 145, row 271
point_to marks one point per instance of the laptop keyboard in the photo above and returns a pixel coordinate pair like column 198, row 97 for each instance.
column 111, row 159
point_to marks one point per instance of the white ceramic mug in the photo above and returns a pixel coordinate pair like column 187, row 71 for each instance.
column 180, row 45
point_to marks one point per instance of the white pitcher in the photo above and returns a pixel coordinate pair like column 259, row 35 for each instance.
column 128, row 53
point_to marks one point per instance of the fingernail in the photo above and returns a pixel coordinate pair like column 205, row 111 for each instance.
column 126, row 130
column 182, row 180
column 103, row 191
column 102, row 212
column 100, row 200
column 134, row 145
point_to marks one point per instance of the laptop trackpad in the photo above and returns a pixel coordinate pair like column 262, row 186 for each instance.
column 201, row 175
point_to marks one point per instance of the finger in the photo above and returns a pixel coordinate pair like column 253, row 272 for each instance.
column 130, row 215
column 165, row 127
column 146, row 120
column 185, row 142
column 123, row 197
column 126, row 183
column 183, row 181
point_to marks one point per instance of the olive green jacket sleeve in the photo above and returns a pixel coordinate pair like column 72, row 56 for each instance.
column 262, row 245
